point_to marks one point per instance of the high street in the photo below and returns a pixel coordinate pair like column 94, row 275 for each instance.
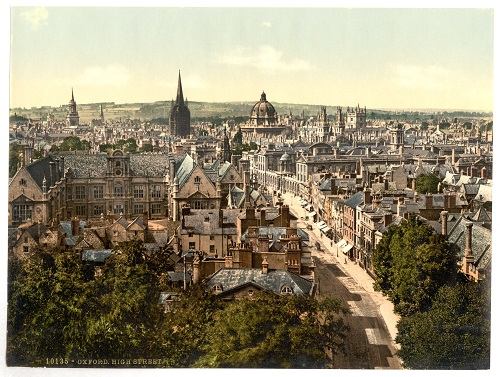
column 372, row 323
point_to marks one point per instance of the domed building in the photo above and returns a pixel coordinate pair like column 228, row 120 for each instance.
column 263, row 122
column 263, row 113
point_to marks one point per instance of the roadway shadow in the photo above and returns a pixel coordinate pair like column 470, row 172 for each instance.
column 328, row 275
column 360, row 354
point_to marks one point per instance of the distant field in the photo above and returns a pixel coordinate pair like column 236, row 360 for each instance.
column 201, row 110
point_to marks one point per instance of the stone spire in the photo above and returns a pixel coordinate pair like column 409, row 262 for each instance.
column 180, row 96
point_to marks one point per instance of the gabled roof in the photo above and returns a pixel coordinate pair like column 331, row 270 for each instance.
column 40, row 169
column 234, row 278
column 482, row 216
column 481, row 241
column 355, row 200
column 185, row 169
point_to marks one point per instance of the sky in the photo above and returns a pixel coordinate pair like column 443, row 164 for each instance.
column 379, row 58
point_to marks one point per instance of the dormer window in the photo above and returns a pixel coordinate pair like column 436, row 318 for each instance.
column 286, row 290
column 217, row 288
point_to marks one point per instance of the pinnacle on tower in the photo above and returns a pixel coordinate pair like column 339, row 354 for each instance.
column 72, row 96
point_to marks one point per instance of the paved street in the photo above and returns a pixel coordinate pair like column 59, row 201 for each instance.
column 372, row 323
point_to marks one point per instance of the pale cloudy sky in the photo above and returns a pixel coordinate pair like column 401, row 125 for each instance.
column 402, row 58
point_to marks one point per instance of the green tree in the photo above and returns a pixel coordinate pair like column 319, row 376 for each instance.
column 129, row 145
column 275, row 331
column 147, row 147
column 411, row 263
column 238, row 138
column 453, row 334
column 105, row 147
column 184, row 332
column 427, row 183
column 54, row 311
column 15, row 155
column 73, row 143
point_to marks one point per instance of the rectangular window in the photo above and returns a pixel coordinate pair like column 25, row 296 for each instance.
column 138, row 208
column 156, row 192
column 118, row 209
column 118, row 190
column 138, row 192
column 69, row 193
column 156, row 208
column 80, row 192
column 81, row 210
column 98, row 192
column 197, row 204
column 26, row 249
column 98, row 210
column 192, row 245
column 21, row 212
column 212, row 249
column 211, row 238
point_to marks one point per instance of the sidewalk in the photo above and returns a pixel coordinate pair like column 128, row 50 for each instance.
column 386, row 308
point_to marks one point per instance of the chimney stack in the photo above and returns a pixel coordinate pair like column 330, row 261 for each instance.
column 51, row 173
column 228, row 260
column 368, row 196
column 75, row 226
column 428, row 201
column 285, row 215
column 196, row 269
column 444, row 223
column 262, row 217
column 263, row 243
column 265, row 266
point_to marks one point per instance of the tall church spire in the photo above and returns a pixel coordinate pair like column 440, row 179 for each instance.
column 72, row 96
column 180, row 97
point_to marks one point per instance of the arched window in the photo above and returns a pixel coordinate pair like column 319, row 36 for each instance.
column 286, row 290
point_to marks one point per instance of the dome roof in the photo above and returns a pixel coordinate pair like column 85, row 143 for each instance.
column 263, row 112
column 285, row 157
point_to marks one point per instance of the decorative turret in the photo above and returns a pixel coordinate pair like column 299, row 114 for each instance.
column 72, row 119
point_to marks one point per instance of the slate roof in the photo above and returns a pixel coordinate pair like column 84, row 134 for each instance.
column 98, row 256
column 94, row 165
column 237, row 196
column 471, row 188
column 195, row 221
column 40, row 169
column 174, row 276
column 184, row 170
column 234, row 278
column 481, row 241
column 482, row 216
column 90, row 165
column 484, row 193
column 355, row 200
column 149, row 165
column 11, row 237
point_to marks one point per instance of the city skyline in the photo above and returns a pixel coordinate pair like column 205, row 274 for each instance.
column 405, row 58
